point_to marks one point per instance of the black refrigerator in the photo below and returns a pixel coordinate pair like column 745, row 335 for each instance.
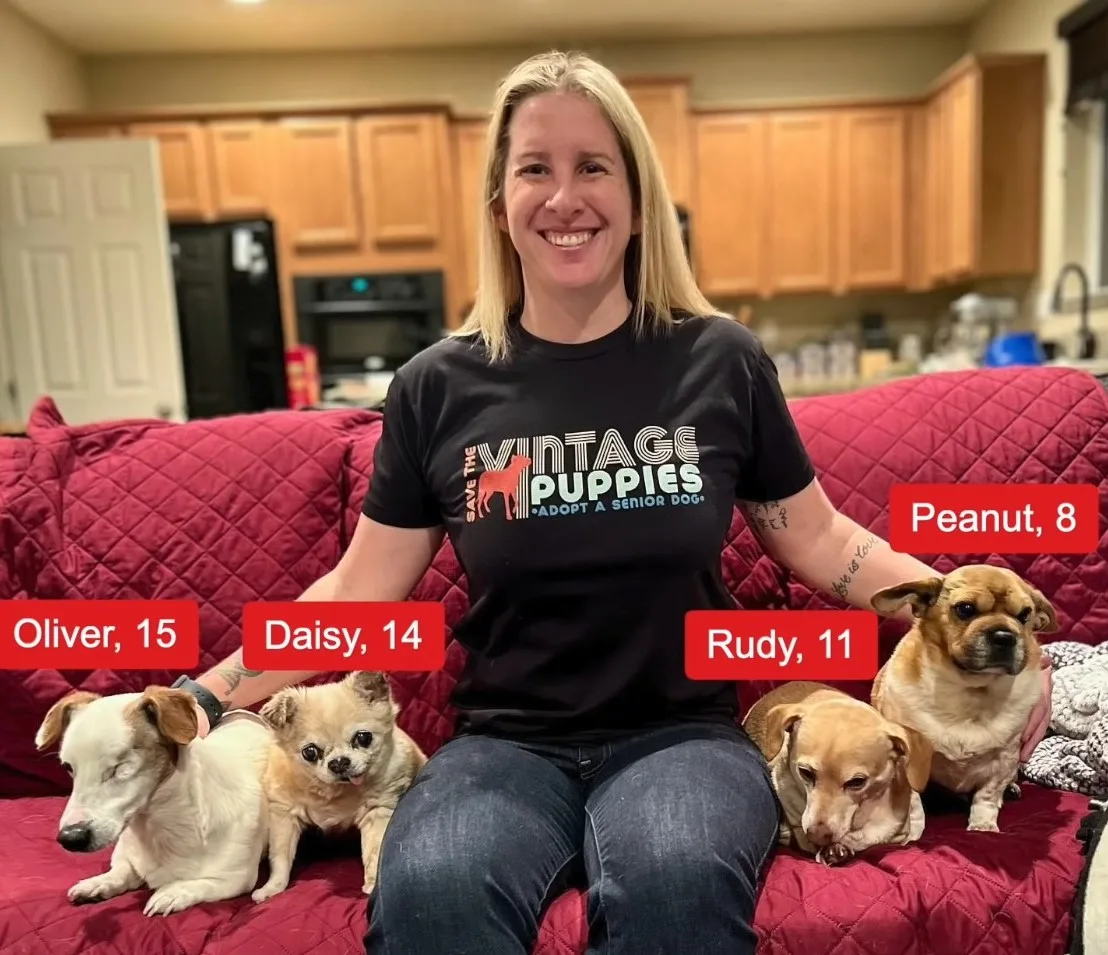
column 226, row 283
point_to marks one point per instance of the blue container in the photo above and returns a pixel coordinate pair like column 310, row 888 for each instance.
column 1017, row 348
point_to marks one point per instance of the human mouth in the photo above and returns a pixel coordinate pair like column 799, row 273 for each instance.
column 569, row 240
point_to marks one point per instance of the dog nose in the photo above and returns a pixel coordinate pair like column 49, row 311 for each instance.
column 75, row 838
column 1002, row 639
column 339, row 765
column 820, row 834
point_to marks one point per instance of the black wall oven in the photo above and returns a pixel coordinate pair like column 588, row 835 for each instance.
column 368, row 321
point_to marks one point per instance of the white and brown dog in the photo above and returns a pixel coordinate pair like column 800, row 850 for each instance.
column 967, row 676
column 187, row 816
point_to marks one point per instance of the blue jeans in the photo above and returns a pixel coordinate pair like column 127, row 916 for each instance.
column 669, row 832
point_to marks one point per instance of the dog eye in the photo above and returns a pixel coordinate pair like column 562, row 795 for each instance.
column 806, row 774
column 856, row 783
column 965, row 610
column 363, row 738
column 311, row 753
column 1024, row 615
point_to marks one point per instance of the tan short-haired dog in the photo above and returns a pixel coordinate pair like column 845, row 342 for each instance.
column 846, row 777
column 967, row 675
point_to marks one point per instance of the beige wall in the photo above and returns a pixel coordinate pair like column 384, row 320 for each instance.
column 1009, row 26
column 38, row 75
column 723, row 72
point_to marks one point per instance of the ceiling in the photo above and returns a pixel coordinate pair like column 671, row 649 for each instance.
column 197, row 26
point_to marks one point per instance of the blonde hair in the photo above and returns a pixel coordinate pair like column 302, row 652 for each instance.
column 659, row 279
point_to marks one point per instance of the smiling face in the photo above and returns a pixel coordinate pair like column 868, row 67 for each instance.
column 567, row 196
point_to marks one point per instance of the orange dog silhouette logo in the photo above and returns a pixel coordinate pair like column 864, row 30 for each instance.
column 504, row 482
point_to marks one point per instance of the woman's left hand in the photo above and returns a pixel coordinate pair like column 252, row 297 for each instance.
column 1039, row 722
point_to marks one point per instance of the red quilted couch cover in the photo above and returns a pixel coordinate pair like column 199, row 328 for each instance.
column 241, row 508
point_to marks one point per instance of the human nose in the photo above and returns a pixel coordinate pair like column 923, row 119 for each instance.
column 566, row 198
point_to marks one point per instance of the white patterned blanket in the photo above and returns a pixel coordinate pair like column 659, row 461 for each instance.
column 1074, row 755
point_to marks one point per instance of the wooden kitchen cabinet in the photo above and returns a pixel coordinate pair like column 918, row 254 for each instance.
column 664, row 106
column 242, row 160
column 871, row 198
column 400, row 162
column 186, row 174
column 800, row 212
column 984, row 153
column 319, row 201
column 729, row 228
column 469, row 167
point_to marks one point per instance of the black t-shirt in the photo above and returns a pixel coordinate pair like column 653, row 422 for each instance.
column 621, row 460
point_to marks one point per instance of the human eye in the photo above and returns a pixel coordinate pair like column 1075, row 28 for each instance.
column 531, row 169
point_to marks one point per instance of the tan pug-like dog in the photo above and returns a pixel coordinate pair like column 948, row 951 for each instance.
column 339, row 762
column 967, row 676
column 846, row 777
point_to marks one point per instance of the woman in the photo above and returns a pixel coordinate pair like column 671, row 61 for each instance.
column 592, row 365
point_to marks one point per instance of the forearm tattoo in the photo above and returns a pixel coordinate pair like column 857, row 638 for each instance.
column 233, row 675
column 768, row 516
column 841, row 586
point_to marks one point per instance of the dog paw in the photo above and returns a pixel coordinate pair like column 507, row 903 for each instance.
column 267, row 891
column 169, row 899
column 834, row 855
column 95, row 889
column 982, row 825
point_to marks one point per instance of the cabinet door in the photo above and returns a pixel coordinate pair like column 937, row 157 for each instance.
column 318, row 187
column 963, row 157
column 801, row 214
column 872, row 198
column 937, row 212
column 186, row 181
column 665, row 111
column 241, row 164
column 728, row 237
column 469, row 163
column 400, row 167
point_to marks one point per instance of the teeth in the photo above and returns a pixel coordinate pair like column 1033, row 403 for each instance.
column 568, row 239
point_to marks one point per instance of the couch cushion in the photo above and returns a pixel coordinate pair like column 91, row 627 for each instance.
column 956, row 891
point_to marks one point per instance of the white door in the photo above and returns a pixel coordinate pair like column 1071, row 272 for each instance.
column 86, row 289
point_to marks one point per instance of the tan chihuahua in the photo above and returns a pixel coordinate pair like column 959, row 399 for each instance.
column 967, row 676
column 339, row 761
column 846, row 777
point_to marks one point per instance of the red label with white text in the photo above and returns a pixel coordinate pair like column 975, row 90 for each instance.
column 781, row 645
column 994, row 518
column 99, row 634
column 344, row 636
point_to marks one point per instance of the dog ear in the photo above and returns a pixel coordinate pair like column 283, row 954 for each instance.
column 780, row 720
column 916, row 750
column 172, row 712
column 1044, row 619
column 921, row 594
column 58, row 716
column 371, row 685
column 281, row 708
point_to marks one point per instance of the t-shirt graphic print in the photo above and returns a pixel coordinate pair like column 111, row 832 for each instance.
column 559, row 476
